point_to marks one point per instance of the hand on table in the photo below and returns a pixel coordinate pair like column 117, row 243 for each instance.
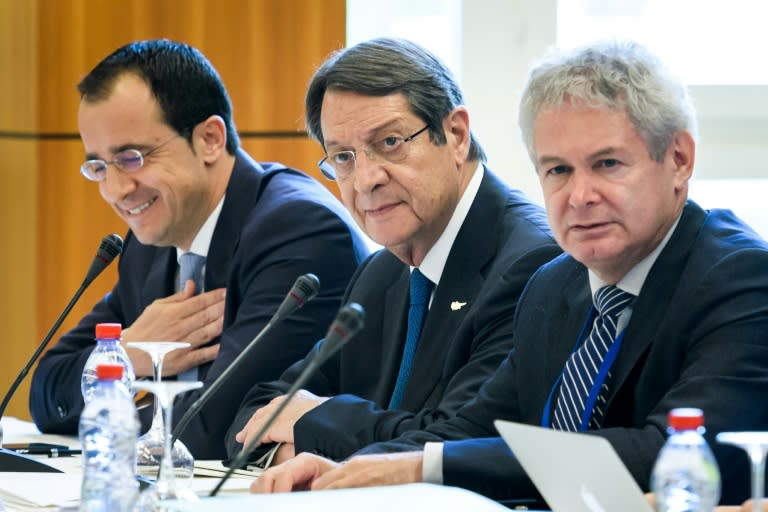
column 281, row 430
column 312, row 472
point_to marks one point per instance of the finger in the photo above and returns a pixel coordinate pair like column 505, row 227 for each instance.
column 295, row 474
column 330, row 479
column 263, row 484
column 182, row 360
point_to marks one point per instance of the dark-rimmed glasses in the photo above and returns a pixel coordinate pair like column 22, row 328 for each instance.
column 127, row 160
column 341, row 164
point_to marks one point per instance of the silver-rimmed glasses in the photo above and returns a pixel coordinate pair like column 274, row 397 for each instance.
column 340, row 165
column 127, row 160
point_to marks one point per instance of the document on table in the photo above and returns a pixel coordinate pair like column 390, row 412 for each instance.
column 35, row 491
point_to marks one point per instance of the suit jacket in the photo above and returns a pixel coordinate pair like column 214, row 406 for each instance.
column 696, row 338
column 502, row 241
column 275, row 224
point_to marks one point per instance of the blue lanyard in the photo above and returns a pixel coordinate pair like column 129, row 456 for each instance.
column 594, row 392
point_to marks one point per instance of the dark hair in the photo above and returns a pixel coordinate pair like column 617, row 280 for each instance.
column 386, row 66
column 185, row 84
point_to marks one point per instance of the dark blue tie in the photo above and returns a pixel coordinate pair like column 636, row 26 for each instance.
column 421, row 289
column 583, row 366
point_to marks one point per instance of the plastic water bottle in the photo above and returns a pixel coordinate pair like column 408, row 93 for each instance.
column 109, row 426
column 685, row 477
column 108, row 351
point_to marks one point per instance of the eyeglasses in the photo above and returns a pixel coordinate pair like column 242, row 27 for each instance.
column 341, row 165
column 128, row 160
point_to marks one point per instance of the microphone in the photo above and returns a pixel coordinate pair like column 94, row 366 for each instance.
column 304, row 290
column 109, row 248
column 348, row 322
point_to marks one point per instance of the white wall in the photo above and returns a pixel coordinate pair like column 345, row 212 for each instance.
column 501, row 38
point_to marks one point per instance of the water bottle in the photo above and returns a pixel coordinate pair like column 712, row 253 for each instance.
column 108, row 351
column 685, row 477
column 109, row 426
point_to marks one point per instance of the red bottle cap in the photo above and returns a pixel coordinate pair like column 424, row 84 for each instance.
column 685, row 418
column 109, row 331
column 109, row 372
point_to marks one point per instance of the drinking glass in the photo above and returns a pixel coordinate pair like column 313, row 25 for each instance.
column 756, row 446
column 150, row 447
column 166, row 486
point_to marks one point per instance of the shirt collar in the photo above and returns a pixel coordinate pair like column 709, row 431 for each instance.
column 633, row 281
column 434, row 261
column 202, row 240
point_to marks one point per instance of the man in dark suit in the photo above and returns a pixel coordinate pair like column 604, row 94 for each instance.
column 391, row 119
column 611, row 135
column 156, row 123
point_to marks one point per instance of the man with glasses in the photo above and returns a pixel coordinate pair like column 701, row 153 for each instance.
column 656, row 303
column 161, row 145
column 459, row 248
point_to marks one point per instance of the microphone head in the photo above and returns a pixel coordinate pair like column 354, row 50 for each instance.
column 348, row 322
column 110, row 248
column 305, row 288
column 352, row 318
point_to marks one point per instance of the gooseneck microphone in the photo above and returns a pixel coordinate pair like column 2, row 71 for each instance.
column 348, row 322
column 109, row 248
column 304, row 290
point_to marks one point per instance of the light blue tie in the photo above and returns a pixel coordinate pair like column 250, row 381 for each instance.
column 190, row 267
column 421, row 289
column 582, row 367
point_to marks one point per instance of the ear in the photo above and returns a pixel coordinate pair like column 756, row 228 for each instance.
column 456, row 127
column 209, row 139
column 682, row 157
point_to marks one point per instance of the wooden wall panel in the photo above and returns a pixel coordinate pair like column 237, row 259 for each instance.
column 18, row 202
column 265, row 51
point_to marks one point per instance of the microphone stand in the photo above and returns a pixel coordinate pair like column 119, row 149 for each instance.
column 10, row 460
column 110, row 247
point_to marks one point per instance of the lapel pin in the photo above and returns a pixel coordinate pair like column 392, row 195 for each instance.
column 456, row 305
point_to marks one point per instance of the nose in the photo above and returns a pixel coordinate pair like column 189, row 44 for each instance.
column 116, row 185
column 369, row 172
column 582, row 191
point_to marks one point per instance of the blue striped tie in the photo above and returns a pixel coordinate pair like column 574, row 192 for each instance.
column 582, row 367
column 421, row 289
column 190, row 267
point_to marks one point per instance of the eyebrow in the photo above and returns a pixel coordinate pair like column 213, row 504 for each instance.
column 118, row 149
column 547, row 160
column 370, row 134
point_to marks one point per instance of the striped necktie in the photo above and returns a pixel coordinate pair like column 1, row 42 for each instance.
column 190, row 267
column 583, row 366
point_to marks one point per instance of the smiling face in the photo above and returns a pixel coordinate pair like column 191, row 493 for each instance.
column 609, row 204
column 166, row 201
column 406, row 205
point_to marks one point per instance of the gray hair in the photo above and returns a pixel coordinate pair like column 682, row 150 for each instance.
column 614, row 75
column 384, row 66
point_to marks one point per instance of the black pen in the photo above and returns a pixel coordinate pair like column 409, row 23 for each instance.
column 50, row 452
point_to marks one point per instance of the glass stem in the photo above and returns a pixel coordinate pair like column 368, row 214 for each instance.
column 157, row 371
column 757, row 456
column 166, row 463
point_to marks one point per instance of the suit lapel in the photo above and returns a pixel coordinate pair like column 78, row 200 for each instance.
column 239, row 198
column 161, row 275
column 655, row 296
column 462, row 278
